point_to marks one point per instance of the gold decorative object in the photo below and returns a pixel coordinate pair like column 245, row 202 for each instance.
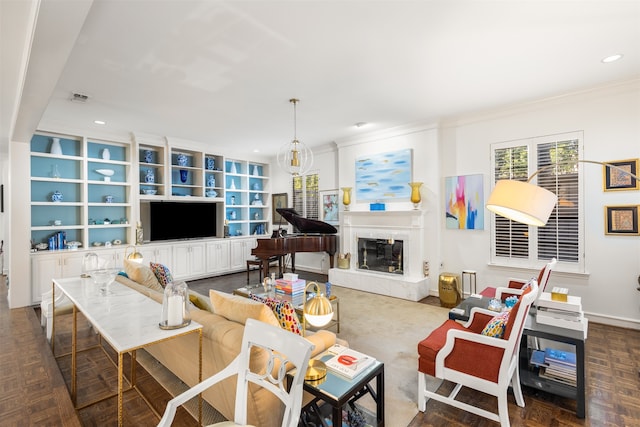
column 318, row 312
column 346, row 197
column 415, row 194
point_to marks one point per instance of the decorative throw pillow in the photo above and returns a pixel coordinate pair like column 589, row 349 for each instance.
column 495, row 326
column 199, row 301
column 239, row 309
column 142, row 274
column 162, row 273
column 284, row 311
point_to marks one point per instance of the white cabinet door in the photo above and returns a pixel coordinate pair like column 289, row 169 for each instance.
column 162, row 254
column 43, row 269
column 217, row 256
column 188, row 260
column 241, row 252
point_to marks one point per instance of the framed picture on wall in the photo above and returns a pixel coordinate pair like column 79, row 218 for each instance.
column 621, row 220
column 329, row 206
column 279, row 200
column 616, row 179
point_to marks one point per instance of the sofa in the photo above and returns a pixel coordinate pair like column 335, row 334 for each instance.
column 222, row 316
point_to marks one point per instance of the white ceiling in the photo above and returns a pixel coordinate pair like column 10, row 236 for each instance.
column 223, row 72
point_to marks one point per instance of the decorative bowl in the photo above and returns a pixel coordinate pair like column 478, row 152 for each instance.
column 211, row 193
column 105, row 172
column 41, row 246
column 150, row 192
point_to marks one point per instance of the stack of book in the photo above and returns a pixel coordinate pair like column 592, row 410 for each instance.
column 556, row 365
column 291, row 290
column 563, row 314
column 349, row 363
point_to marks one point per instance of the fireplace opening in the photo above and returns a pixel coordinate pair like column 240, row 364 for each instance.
column 381, row 255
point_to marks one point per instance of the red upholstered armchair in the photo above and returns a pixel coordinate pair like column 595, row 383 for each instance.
column 463, row 355
column 543, row 279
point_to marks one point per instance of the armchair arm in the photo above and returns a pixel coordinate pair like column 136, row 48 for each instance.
column 502, row 293
column 170, row 411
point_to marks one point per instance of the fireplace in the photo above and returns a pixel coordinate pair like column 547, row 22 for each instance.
column 382, row 255
column 394, row 242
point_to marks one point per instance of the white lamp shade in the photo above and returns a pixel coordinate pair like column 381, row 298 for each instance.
column 522, row 202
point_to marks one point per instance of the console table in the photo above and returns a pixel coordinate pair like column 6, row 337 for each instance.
column 125, row 319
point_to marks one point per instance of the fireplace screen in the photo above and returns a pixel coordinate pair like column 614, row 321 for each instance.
column 382, row 255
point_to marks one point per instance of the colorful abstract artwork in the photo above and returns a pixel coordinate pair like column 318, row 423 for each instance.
column 383, row 176
column 464, row 202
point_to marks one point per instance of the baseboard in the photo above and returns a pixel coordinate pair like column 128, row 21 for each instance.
column 620, row 322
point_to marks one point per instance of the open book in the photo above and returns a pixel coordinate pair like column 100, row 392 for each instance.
column 349, row 363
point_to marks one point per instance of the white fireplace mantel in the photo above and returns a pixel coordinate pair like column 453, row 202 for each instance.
column 407, row 226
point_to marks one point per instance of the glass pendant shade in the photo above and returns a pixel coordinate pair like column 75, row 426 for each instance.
column 295, row 157
column 175, row 306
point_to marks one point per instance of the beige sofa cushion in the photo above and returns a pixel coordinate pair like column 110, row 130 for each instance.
column 142, row 274
column 239, row 309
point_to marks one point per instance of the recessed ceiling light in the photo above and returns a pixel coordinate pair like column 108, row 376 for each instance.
column 612, row 58
column 100, row 122
column 255, row 150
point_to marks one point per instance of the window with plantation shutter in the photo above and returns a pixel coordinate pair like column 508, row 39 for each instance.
column 305, row 195
column 554, row 157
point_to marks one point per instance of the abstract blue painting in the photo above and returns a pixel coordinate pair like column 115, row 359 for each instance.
column 384, row 176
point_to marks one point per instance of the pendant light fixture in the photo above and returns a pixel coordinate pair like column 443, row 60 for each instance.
column 295, row 157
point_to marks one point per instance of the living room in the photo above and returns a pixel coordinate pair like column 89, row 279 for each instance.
column 603, row 115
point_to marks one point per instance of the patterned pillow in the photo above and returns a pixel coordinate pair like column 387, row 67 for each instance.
column 162, row 273
column 495, row 326
column 284, row 312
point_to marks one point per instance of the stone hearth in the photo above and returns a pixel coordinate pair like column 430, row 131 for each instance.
column 407, row 226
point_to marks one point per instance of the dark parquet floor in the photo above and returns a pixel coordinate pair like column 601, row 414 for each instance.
column 33, row 386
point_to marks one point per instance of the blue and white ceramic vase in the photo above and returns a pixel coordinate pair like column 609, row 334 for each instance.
column 182, row 160
column 56, row 196
column 211, row 181
column 183, row 175
column 211, row 163
column 149, row 176
column 148, row 156
column 56, row 148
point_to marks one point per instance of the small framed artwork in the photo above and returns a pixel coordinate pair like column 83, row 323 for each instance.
column 329, row 206
column 618, row 178
column 279, row 200
column 621, row 220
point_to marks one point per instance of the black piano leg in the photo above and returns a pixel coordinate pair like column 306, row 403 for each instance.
column 293, row 262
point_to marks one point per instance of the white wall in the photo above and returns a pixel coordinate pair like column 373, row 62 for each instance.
column 610, row 120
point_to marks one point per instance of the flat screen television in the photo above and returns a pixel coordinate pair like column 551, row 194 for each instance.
column 181, row 220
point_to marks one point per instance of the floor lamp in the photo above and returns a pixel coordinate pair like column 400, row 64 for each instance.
column 527, row 203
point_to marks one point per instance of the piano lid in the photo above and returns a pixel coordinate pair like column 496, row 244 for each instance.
column 306, row 225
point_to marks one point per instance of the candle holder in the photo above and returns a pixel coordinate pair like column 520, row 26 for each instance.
column 175, row 306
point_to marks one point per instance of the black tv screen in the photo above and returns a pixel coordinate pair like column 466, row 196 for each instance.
column 181, row 220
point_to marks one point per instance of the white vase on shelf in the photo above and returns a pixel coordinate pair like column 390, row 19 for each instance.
column 56, row 148
column 106, row 155
column 255, row 170
column 233, row 168
column 233, row 185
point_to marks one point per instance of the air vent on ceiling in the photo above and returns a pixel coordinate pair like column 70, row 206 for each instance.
column 79, row 97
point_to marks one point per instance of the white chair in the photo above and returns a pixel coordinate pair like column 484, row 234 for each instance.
column 462, row 355
column 285, row 350
column 63, row 306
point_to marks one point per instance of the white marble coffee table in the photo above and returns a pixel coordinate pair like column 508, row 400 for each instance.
column 125, row 319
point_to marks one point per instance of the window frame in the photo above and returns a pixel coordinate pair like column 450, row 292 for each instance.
column 532, row 261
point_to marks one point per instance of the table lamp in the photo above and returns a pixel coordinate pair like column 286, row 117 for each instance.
column 318, row 312
column 134, row 256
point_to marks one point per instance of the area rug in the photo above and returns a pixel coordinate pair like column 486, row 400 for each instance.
column 389, row 329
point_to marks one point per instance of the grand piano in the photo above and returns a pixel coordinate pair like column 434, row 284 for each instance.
column 314, row 236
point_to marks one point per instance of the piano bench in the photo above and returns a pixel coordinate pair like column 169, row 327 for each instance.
column 257, row 262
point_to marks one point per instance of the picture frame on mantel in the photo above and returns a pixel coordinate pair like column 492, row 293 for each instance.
column 621, row 220
column 278, row 200
column 616, row 180
column 329, row 206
